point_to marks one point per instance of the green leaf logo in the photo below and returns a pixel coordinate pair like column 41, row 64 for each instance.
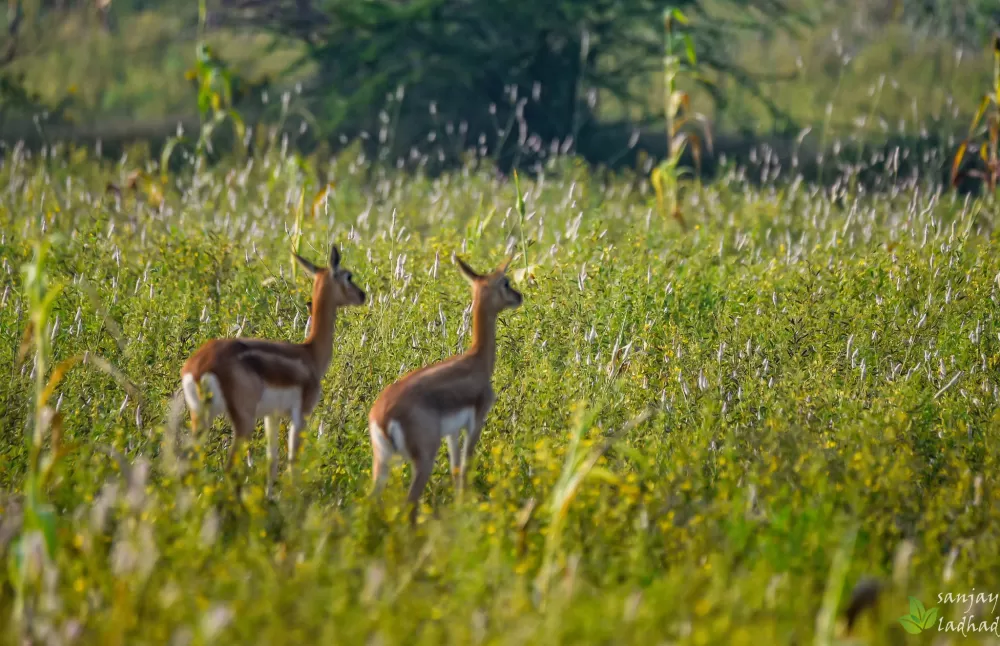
column 919, row 618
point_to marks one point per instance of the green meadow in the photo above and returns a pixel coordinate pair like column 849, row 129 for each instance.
column 705, row 433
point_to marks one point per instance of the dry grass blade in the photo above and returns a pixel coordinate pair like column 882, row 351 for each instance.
column 109, row 323
column 57, row 376
column 89, row 358
column 695, row 142
column 297, row 231
column 678, row 216
column 959, row 156
column 321, row 199
column 983, row 106
column 59, row 449
column 678, row 143
column 826, row 617
column 656, row 179
column 522, row 520
column 25, row 346
column 706, row 129
column 679, row 100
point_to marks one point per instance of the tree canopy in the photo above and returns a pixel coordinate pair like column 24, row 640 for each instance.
column 539, row 63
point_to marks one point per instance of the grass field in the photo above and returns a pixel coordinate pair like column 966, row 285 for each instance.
column 820, row 377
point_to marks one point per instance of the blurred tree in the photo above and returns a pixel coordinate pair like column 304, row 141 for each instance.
column 536, row 65
column 14, row 95
column 969, row 20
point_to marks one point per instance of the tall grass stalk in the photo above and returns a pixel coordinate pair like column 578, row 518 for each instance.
column 677, row 114
column 38, row 528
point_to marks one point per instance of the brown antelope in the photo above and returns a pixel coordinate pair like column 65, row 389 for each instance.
column 413, row 415
column 246, row 379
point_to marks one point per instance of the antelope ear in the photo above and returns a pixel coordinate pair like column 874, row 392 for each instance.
column 310, row 268
column 467, row 271
column 334, row 257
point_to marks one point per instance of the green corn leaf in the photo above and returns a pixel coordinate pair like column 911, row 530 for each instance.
column 520, row 196
column 979, row 114
column 50, row 297
column 689, row 48
column 15, row 561
column 957, row 162
column 47, row 524
column 485, row 222
column 42, row 519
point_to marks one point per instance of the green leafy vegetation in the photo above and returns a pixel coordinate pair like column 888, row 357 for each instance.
column 702, row 435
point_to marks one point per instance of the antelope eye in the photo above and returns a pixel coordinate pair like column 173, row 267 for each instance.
column 347, row 276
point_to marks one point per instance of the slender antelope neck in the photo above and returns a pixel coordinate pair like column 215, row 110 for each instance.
column 324, row 321
column 484, row 332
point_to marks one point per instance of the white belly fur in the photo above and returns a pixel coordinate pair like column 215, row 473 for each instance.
column 286, row 402
column 395, row 443
column 454, row 423
column 386, row 447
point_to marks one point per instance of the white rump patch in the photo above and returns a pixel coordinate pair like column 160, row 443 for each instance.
column 381, row 445
column 212, row 392
column 398, row 441
column 386, row 445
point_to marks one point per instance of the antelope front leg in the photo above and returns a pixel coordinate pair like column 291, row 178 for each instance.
column 381, row 457
column 295, row 438
column 468, row 448
column 454, row 458
column 472, row 438
column 423, row 465
column 271, row 431
column 201, row 419
column 242, row 430
column 421, row 474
